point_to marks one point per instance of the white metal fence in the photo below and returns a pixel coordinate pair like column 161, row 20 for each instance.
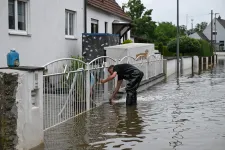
column 72, row 87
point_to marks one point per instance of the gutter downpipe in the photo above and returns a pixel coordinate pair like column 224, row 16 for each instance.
column 85, row 16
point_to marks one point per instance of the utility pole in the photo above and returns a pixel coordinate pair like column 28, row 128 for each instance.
column 178, row 44
column 211, row 30
column 192, row 27
column 215, row 26
column 187, row 24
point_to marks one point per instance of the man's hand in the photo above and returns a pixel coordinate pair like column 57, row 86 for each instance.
column 112, row 98
column 102, row 81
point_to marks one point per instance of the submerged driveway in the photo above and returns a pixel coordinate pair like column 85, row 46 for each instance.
column 188, row 114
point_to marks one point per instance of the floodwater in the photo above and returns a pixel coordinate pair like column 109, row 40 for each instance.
column 188, row 114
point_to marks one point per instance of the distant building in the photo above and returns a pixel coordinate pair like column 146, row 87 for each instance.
column 218, row 33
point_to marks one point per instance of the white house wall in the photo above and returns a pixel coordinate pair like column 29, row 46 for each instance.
column 47, row 28
column 220, row 32
column 102, row 17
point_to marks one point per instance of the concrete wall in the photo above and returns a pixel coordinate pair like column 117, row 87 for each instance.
column 102, row 17
column 171, row 67
column 24, row 109
column 187, row 63
column 47, row 32
column 196, row 64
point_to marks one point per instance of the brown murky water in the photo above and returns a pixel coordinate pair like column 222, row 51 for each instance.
column 188, row 114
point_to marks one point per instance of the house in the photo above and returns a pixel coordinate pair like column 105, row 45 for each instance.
column 199, row 35
column 106, row 16
column 218, row 33
column 43, row 30
column 46, row 30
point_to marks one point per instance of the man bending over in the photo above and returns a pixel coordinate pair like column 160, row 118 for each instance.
column 129, row 73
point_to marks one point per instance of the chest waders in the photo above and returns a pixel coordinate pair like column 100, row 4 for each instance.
column 132, row 86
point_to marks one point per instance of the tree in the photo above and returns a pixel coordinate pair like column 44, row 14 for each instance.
column 187, row 45
column 165, row 31
column 183, row 30
column 200, row 27
column 135, row 9
column 143, row 26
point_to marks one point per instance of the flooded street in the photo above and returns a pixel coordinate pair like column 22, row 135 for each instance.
column 188, row 114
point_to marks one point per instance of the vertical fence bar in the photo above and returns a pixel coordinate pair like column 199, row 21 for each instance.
column 106, row 95
column 146, row 69
column 88, row 87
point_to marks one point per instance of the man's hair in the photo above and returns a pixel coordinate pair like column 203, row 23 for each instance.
column 110, row 67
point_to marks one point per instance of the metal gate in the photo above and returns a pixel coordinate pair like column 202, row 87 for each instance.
column 72, row 87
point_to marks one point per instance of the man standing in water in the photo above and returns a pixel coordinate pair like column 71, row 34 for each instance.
column 127, row 72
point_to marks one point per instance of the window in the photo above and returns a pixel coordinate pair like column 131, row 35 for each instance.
column 70, row 24
column 94, row 26
column 18, row 16
column 106, row 27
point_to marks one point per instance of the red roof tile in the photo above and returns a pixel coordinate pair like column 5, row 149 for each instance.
column 110, row 6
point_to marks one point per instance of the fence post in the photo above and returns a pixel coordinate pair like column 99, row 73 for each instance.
column 146, row 69
column 216, row 59
column 88, row 86
column 106, row 90
column 181, row 64
column 202, row 65
column 207, row 62
column 165, row 66
column 161, row 64
column 155, row 61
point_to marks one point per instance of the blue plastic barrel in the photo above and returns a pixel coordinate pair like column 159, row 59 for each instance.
column 13, row 58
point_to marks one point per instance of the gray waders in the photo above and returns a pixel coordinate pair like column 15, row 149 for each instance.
column 132, row 86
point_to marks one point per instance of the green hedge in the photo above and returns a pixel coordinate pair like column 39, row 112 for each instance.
column 205, row 48
column 166, row 52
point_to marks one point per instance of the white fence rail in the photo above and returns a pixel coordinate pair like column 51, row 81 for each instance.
column 72, row 87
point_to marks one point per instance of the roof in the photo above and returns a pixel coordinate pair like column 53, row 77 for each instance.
column 221, row 21
column 202, row 35
column 110, row 6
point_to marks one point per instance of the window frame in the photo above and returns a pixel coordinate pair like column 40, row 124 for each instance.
column 96, row 23
column 106, row 27
column 67, row 26
column 16, row 31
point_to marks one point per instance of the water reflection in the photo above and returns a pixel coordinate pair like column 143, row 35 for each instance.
column 129, row 123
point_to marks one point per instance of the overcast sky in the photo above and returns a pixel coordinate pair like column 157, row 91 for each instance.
column 198, row 10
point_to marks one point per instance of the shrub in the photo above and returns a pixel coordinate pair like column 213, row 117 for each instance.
column 187, row 45
column 166, row 52
column 127, row 41
column 205, row 48
column 160, row 48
